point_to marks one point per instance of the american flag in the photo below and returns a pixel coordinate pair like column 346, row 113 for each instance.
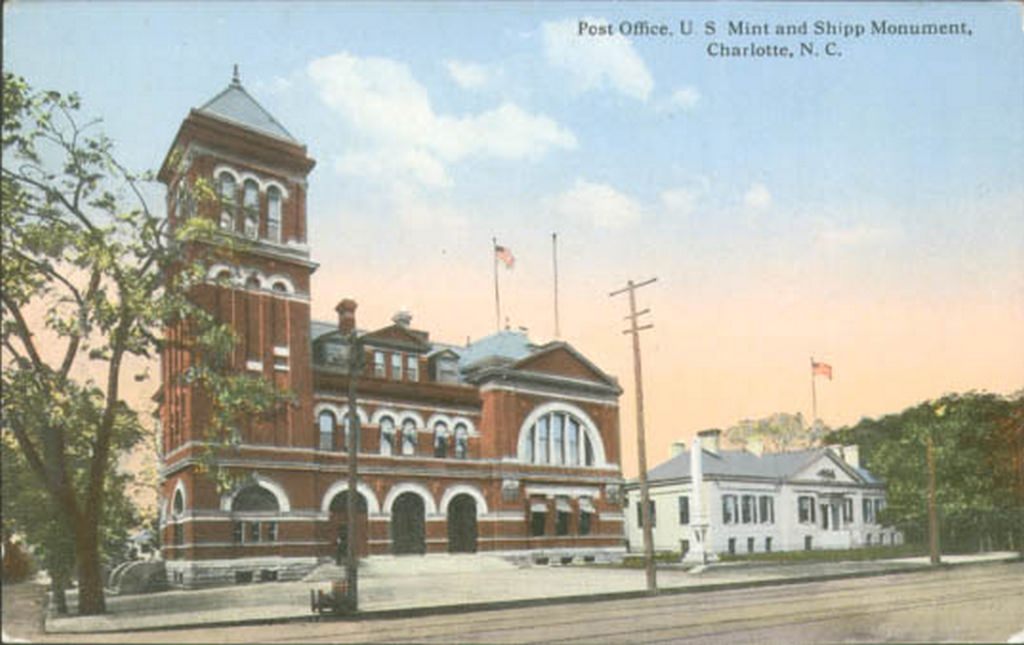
column 505, row 255
column 822, row 369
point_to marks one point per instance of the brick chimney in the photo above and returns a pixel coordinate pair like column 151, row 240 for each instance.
column 851, row 455
column 346, row 315
column 678, row 448
column 711, row 440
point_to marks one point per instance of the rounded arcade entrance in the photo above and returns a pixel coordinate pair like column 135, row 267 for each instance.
column 340, row 526
column 408, row 533
column 462, row 530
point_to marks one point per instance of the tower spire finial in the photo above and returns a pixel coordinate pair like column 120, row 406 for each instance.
column 235, row 80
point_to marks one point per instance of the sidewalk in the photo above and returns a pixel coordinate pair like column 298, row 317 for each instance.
column 412, row 584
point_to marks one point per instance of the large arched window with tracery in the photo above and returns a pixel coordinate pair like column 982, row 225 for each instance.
column 558, row 437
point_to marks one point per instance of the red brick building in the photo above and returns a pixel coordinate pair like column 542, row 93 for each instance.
column 501, row 445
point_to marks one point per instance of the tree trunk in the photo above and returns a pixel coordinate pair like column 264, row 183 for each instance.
column 90, row 575
column 58, row 586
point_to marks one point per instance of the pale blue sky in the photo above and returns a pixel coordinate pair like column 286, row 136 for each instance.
column 893, row 174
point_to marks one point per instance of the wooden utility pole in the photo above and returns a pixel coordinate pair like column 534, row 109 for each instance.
column 933, row 511
column 641, row 443
column 355, row 366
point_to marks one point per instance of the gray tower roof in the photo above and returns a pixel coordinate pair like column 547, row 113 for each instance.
column 236, row 105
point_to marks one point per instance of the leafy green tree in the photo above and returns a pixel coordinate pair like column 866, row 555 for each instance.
column 978, row 446
column 91, row 277
column 776, row 433
column 29, row 511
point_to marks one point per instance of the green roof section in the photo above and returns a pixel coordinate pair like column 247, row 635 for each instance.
column 236, row 105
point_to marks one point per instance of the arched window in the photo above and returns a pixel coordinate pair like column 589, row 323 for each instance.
column 346, row 423
column 227, row 188
column 326, row 423
column 408, row 437
column 441, row 439
column 251, row 207
column 184, row 207
column 252, row 283
column 274, row 214
column 572, row 441
column 387, row 436
column 255, row 498
column 558, row 438
column 461, row 441
column 179, row 504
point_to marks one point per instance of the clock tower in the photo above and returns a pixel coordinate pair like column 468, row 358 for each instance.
column 258, row 172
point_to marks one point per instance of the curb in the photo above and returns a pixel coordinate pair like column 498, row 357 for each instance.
column 414, row 612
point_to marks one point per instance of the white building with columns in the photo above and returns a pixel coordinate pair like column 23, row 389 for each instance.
column 745, row 501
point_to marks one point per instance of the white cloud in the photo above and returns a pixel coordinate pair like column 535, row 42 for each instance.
column 381, row 100
column 680, row 202
column 387, row 163
column 607, row 62
column 469, row 76
column 683, row 99
column 599, row 205
column 757, row 196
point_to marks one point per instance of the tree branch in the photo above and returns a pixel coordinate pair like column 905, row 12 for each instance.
column 23, row 331
column 55, row 193
column 72, row 349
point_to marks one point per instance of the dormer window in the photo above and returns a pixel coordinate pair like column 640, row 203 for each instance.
column 274, row 214
column 335, row 353
column 251, row 207
column 447, row 370
column 412, row 368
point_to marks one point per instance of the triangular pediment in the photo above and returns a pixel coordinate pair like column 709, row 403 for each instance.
column 397, row 335
column 561, row 359
column 827, row 467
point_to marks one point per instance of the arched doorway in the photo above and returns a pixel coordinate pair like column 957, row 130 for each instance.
column 462, row 524
column 407, row 525
column 339, row 524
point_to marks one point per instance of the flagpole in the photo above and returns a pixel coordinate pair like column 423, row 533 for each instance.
column 554, row 261
column 814, row 397
column 497, row 294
